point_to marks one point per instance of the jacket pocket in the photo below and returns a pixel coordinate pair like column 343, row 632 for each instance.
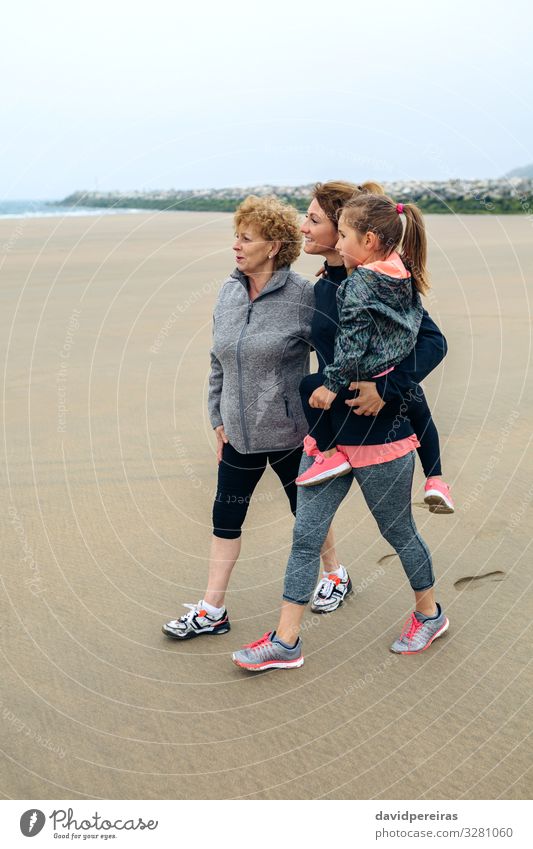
column 289, row 414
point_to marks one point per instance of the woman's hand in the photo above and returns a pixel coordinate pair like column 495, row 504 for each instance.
column 222, row 439
column 369, row 402
column 322, row 398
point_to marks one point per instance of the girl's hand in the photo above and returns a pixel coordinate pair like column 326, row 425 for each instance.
column 322, row 398
column 369, row 402
column 222, row 439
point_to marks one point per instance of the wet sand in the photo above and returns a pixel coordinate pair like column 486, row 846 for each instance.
column 107, row 486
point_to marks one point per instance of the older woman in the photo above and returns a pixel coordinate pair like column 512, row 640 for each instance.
column 261, row 346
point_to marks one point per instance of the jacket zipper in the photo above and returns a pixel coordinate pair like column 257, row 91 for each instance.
column 241, row 389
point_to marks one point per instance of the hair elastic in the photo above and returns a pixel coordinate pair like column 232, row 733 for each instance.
column 399, row 208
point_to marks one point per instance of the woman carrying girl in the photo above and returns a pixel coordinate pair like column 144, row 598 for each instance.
column 381, row 456
column 399, row 388
column 380, row 321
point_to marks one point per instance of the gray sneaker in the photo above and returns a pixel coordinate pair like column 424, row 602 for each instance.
column 418, row 633
column 268, row 653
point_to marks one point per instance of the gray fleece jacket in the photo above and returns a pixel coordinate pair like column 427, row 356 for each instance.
column 260, row 354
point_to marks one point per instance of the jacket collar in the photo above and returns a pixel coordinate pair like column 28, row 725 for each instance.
column 278, row 279
column 335, row 273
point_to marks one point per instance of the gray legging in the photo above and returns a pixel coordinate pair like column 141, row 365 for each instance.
column 386, row 488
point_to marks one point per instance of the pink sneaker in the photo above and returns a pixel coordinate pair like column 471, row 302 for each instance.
column 438, row 496
column 324, row 469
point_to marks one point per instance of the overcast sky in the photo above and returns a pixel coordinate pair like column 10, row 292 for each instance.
column 133, row 95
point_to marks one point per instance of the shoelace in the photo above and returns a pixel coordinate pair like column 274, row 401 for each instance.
column 195, row 610
column 260, row 642
column 327, row 584
column 411, row 627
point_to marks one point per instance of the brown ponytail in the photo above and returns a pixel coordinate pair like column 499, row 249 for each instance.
column 381, row 215
column 332, row 196
column 414, row 246
column 372, row 188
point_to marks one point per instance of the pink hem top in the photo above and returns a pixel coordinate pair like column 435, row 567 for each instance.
column 369, row 455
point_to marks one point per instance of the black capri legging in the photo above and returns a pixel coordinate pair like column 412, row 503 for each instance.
column 238, row 476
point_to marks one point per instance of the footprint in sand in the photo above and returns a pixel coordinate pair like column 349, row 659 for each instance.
column 474, row 581
column 385, row 557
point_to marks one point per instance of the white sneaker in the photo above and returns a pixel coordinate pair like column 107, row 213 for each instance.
column 330, row 593
column 196, row 623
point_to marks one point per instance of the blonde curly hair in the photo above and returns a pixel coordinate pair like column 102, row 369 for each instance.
column 276, row 221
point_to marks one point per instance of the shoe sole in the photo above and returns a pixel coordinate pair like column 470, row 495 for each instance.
column 193, row 634
column 327, row 476
column 348, row 592
column 438, row 504
column 439, row 633
column 269, row 664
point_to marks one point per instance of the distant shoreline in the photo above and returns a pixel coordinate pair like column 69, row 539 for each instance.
column 435, row 207
column 496, row 197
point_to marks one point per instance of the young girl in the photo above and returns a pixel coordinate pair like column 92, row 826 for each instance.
column 379, row 317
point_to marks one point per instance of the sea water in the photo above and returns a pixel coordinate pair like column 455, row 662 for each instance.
column 49, row 209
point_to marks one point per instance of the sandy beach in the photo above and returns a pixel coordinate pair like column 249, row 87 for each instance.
column 107, row 487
